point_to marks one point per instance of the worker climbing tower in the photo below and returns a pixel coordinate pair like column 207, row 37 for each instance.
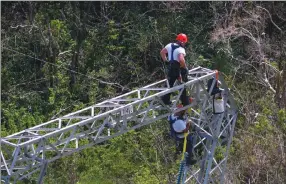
column 27, row 153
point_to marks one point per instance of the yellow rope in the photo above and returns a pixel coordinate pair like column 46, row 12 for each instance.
column 185, row 144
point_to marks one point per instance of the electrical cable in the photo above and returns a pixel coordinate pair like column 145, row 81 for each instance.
column 104, row 82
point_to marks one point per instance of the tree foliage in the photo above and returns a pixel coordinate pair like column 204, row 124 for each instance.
column 58, row 57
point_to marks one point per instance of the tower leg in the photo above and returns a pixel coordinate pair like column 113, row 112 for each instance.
column 43, row 172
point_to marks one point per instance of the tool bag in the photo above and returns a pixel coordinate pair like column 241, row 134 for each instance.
column 218, row 104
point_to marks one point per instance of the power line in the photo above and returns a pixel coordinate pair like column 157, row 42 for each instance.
column 34, row 81
column 13, row 87
column 114, row 84
column 104, row 82
column 43, row 79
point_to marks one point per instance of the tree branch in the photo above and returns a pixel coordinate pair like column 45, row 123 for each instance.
column 270, row 18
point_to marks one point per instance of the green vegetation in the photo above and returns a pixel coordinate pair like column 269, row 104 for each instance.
column 58, row 57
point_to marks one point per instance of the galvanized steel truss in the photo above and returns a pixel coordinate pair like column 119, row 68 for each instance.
column 28, row 152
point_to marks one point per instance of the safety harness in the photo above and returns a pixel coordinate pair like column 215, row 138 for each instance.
column 174, row 47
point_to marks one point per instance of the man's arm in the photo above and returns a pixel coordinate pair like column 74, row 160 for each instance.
column 188, row 124
column 163, row 53
column 182, row 62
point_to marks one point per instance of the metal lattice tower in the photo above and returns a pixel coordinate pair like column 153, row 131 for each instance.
column 28, row 152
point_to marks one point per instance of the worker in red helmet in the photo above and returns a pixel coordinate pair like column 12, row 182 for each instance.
column 176, row 65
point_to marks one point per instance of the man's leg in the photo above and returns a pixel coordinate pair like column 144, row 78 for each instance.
column 190, row 159
column 179, row 146
column 184, row 98
column 173, row 74
column 166, row 98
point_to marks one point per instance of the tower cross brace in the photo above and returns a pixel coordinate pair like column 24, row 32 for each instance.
column 28, row 152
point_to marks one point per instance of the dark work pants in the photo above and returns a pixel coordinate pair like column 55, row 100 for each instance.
column 173, row 74
column 189, row 148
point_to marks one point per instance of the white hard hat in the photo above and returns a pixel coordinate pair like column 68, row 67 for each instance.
column 179, row 125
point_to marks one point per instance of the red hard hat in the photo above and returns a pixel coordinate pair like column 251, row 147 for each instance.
column 182, row 38
column 179, row 106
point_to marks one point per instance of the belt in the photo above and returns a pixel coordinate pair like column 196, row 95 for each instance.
column 174, row 62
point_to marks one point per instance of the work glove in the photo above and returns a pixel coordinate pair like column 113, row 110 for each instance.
column 166, row 66
column 184, row 74
column 187, row 127
column 180, row 79
column 184, row 71
column 167, row 63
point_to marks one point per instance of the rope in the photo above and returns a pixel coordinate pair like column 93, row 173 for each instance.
column 182, row 168
column 185, row 145
column 183, row 161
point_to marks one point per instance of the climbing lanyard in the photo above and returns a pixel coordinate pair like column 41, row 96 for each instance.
column 183, row 161
column 185, row 145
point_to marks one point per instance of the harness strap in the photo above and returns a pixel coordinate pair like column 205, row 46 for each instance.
column 174, row 47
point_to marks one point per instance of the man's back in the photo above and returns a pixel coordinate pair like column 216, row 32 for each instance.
column 176, row 51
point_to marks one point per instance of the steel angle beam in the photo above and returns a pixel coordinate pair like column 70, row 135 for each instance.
column 27, row 152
